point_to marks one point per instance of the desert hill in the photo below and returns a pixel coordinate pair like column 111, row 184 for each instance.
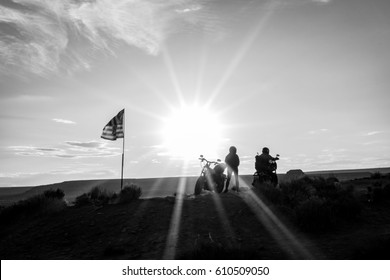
column 231, row 225
column 158, row 187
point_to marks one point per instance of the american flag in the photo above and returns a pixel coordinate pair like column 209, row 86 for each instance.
column 114, row 129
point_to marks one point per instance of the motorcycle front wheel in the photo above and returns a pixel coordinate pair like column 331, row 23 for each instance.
column 199, row 185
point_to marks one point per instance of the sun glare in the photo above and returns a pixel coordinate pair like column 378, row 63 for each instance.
column 191, row 131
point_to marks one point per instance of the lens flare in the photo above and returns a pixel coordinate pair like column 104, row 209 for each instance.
column 191, row 131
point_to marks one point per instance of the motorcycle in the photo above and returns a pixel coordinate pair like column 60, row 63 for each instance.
column 211, row 177
column 266, row 177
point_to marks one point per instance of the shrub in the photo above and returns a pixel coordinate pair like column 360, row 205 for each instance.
column 376, row 175
column 33, row 206
column 314, row 214
column 58, row 193
column 129, row 193
column 378, row 194
column 96, row 196
column 95, row 193
column 82, row 200
column 386, row 191
column 268, row 191
column 296, row 192
column 52, row 205
column 317, row 203
column 345, row 207
column 326, row 188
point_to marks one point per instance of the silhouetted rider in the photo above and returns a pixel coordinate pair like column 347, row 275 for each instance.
column 266, row 164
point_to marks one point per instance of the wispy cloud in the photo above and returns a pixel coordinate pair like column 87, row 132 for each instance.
column 46, row 36
column 322, row 1
column 70, row 149
column 88, row 145
column 90, row 149
column 64, row 121
column 35, row 151
column 24, row 98
column 371, row 133
column 189, row 9
column 318, row 131
column 305, row 2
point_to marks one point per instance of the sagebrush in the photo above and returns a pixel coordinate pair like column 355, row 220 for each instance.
column 313, row 203
column 100, row 196
column 96, row 196
column 51, row 201
column 129, row 193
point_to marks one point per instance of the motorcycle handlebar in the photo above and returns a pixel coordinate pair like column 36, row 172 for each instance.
column 275, row 158
column 209, row 162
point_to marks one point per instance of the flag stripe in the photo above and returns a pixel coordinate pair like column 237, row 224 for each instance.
column 114, row 128
column 111, row 128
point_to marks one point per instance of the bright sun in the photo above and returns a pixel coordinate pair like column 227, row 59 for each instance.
column 191, row 131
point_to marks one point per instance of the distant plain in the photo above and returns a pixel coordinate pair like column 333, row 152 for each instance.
column 156, row 187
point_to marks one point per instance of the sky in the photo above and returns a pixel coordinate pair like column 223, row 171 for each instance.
column 307, row 78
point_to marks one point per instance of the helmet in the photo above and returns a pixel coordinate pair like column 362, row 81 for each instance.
column 265, row 151
column 232, row 150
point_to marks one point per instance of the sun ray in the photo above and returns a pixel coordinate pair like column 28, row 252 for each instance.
column 146, row 82
column 143, row 112
column 226, row 225
column 200, row 75
column 247, row 98
column 172, row 73
column 246, row 45
column 278, row 230
column 174, row 228
column 156, row 185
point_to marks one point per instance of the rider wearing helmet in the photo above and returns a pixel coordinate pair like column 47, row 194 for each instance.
column 232, row 161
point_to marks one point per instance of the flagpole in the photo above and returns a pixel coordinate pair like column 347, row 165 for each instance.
column 112, row 131
column 123, row 149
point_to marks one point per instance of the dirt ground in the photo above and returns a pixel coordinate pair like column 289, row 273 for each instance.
column 210, row 226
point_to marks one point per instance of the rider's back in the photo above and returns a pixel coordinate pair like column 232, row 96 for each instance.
column 263, row 163
column 232, row 160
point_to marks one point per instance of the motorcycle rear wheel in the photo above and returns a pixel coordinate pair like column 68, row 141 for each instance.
column 199, row 185
column 261, row 178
